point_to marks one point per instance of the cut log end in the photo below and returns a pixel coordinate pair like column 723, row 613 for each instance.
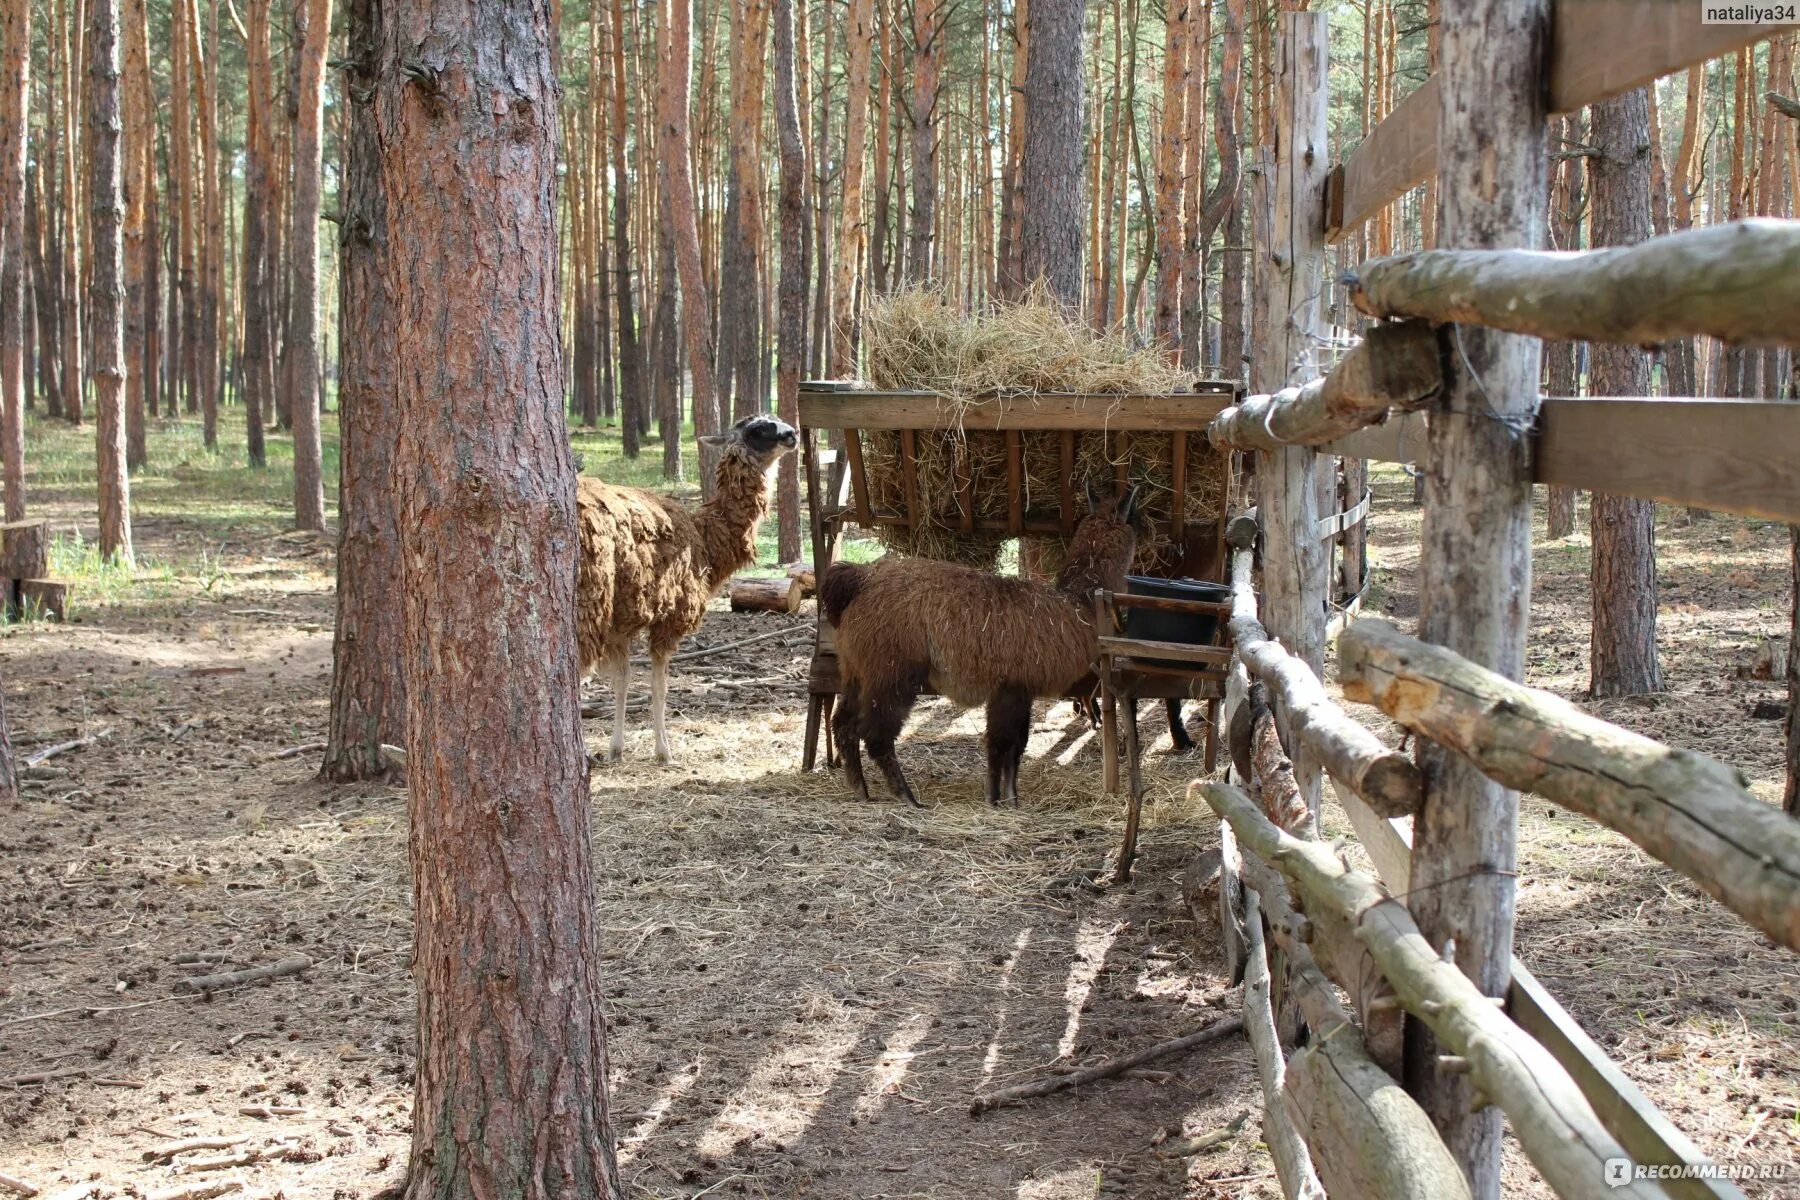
column 767, row 595
column 1392, row 786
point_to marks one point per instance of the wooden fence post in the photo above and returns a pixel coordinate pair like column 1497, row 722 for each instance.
column 1475, row 552
column 1290, row 279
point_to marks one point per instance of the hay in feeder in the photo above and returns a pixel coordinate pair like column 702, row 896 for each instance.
column 916, row 339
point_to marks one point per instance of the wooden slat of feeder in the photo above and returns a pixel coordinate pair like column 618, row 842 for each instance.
column 1015, row 486
column 1170, row 604
column 992, row 525
column 1121, row 460
column 859, row 481
column 1066, row 485
column 1178, row 503
column 909, row 476
column 929, row 410
column 965, row 486
column 1135, row 648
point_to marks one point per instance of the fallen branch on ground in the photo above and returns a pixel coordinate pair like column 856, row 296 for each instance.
column 17, row 1186
column 49, row 752
column 1106, row 1070
column 199, row 1191
column 266, row 1111
column 287, row 966
column 169, row 1150
column 297, row 751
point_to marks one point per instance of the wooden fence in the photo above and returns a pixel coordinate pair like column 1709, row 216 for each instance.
column 1450, row 380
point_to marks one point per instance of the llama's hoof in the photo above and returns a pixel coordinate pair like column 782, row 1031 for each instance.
column 615, row 754
column 662, row 756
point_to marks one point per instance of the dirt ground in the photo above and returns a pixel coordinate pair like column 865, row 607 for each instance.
column 806, row 991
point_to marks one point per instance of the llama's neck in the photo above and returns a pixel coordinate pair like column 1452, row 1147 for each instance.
column 728, row 521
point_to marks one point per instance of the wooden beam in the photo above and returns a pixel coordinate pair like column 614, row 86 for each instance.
column 1395, row 366
column 1690, row 811
column 909, row 476
column 1015, row 483
column 1337, row 523
column 1349, row 752
column 1638, row 1124
column 929, row 410
column 1400, row 439
column 1136, row 648
column 1733, row 456
column 1399, row 154
column 1601, row 48
column 1065, row 482
column 1739, row 282
column 1556, row 1126
column 1292, row 1164
column 859, row 479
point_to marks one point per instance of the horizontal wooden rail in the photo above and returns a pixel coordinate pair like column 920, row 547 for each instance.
column 1395, row 367
column 1599, row 48
column 1557, row 1127
column 1327, row 528
column 1739, row 282
column 1640, row 1126
column 837, row 408
column 1732, row 456
column 1349, row 753
column 1690, row 811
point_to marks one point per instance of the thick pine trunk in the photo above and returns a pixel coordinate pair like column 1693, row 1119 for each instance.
column 791, row 350
column 74, row 233
column 106, row 283
column 15, row 67
column 1050, row 167
column 1791, row 799
column 139, row 166
column 852, row 229
column 667, row 346
column 510, row 1091
column 677, row 181
column 312, row 19
column 740, row 293
column 1624, row 529
column 258, row 351
column 927, row 64
column 1225, row 204
column 1169, row 180
column 368, row 686
column 633, row 401
column 209, row 232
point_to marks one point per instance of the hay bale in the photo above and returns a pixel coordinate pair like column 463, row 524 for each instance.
column 916, row 339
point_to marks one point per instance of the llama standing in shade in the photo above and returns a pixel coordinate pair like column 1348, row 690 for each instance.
column 649, row 564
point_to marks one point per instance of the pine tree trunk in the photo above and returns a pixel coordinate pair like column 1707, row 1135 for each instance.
column 15, row 68
column 74, row 361
column 632, row 384
column 257, row 354
column 1195, row 345
column 927, row 64
column 1050, row 170
column 668, row 345
column 1791, row 798
column 312, row 20
column 675, row 34
column 139, row 166
column 1566, row 205
column 209, row 233
column 852, row 229
column 9, row 765
column 368, row 684
column 1624, row 529
column 106, row 287
column 791, row 351
column 39, row 232
column 1225, row 203
column 1169, row 179
column 1010, row 270
column 883, row 115
column 510, row 1090
column 740, row 298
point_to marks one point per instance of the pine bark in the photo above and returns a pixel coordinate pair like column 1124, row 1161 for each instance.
column 927, row 69
column 675, row 71
column 15, row 69
column 510, row 1091
column 740, row 290
column 74, row 326
column 184, row 315
column 1225, row 203
column 368, row 684
column 1050, row 167
column 632, row 384
column 106, row 284
column 791, row 350
column 667, row 347
column 1624, row 659
column 1169, row 179
column 257, row 354
column 1791, row 798
column 312, row 19
column 210, row 232
column 139, row 166
column 852, row 234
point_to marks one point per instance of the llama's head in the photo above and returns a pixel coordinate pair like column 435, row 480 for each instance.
column 760, row 441
column 1104, row 544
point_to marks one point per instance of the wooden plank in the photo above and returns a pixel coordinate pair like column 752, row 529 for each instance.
column 909, row 476
column 1066, row 483
column 1178, row 485
column 1191, row 411
column 1400, row 440
column 859, row 480
column 1336, row 523
column 965, row 485
column 1733, row 456
column 1626, row 1112
column 1600, row 48
column 1015, row 483
column 1399, row 154
column 1125, row 647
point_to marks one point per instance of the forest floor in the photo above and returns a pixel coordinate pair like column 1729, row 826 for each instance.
column 806, row 991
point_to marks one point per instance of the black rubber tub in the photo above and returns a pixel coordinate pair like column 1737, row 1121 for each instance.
column 1159, row 625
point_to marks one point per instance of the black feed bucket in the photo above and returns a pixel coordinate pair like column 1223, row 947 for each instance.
column 1160, row 625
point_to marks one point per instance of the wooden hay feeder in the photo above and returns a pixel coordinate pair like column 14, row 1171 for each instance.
column 944, row 479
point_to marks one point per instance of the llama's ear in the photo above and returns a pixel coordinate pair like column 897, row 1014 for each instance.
column 712, row 439
column 1128, row 509
column 1093, row 498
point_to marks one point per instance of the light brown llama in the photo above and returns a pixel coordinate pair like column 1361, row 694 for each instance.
column 649, row 564
column 975, row 637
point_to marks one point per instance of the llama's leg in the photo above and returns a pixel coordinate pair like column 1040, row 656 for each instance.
column 845, row 723
column 1009, row 729
column 884, row 718
column 659, row 701
column 1178, row 733
column 620, row 668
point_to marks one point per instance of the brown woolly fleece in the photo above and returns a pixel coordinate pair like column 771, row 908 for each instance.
column 649, row 564
column 972, row 632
